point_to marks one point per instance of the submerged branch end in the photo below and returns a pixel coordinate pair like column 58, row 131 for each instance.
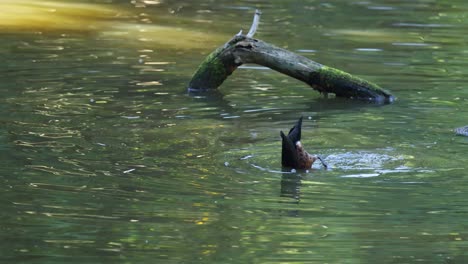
column 255, row 23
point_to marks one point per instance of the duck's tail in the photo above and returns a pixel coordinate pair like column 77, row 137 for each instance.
column 295, row 132
column 289, row 156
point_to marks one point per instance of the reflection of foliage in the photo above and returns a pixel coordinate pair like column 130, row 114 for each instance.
column 54, row 15
column 105, row 20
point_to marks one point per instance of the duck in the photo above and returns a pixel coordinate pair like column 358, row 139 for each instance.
column 293, row 154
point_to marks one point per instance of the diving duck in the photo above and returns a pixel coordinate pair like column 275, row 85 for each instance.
column 293, row 155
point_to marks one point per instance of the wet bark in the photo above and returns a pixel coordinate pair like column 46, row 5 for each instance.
column 245, row 49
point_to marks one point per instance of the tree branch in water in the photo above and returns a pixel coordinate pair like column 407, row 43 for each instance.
column 244, row 49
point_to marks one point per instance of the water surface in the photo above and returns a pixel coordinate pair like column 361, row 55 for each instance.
column 107, row 159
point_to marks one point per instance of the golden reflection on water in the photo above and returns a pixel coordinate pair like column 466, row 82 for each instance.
column 107, row 21
column 53, row 15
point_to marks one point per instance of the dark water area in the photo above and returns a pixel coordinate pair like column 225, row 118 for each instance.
column 107, row 159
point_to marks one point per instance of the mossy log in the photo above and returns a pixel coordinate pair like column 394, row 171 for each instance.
column 244, row 49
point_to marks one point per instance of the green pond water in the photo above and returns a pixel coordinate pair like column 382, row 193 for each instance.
column 106, row 158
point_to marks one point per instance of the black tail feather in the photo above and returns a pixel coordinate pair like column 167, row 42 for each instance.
column 288, row 153
column 295, row 132
column 289, row 156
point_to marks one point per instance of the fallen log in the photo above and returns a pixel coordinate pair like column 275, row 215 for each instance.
column 241, row 49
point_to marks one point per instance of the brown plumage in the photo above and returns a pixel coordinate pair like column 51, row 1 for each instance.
column 293, row 154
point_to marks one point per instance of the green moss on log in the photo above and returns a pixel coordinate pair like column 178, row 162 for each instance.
column 210, row 74
column 216, row 67
column 343, row 84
